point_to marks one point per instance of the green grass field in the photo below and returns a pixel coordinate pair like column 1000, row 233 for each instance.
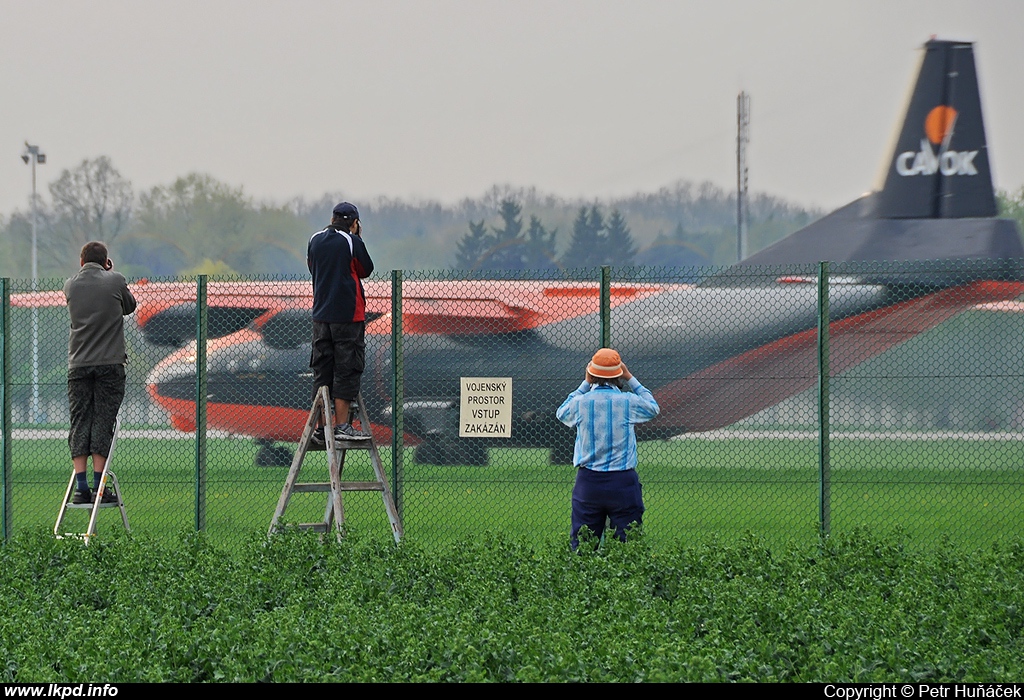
column 970, row 491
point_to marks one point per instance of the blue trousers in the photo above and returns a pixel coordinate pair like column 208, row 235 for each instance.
column 599, row 495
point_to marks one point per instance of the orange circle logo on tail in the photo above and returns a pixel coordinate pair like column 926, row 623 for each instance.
column 938, row 123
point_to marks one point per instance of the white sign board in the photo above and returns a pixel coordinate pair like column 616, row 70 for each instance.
column 486, row 407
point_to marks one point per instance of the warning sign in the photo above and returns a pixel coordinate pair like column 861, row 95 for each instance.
column 486, row 407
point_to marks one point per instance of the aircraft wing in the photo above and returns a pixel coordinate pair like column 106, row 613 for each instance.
column 39, row 300
column 166, row 311
column 744, row 384
column 280, row 309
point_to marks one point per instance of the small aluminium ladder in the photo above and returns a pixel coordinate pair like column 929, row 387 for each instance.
column 334, row 512
column 96, row 505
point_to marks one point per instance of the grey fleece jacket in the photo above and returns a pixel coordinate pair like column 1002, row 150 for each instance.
column 98, row 301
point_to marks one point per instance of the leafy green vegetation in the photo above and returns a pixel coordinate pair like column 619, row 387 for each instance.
column 499, row 608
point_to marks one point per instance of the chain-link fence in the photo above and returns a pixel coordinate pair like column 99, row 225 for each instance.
column 792, row 400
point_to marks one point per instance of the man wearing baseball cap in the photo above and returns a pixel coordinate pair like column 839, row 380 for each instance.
column 604, row 410
column 338, row 260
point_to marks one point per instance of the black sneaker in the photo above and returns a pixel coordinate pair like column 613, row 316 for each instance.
column 316, row 441
column 345, row 431
column 82, row 497
column 108, row 496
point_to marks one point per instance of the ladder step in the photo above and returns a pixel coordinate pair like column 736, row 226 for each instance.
column 340, row 445
column 88, row 506
column 313, row 487
column 361, row 486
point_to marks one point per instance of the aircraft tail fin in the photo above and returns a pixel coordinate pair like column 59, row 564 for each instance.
column 940, row 167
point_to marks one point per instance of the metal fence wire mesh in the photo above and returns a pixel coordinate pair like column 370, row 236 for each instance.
column 793, row 400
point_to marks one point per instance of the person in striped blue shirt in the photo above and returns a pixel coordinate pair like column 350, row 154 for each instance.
column 604, row 410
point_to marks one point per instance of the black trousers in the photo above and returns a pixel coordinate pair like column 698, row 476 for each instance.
column 94, row 395
column 338, row 358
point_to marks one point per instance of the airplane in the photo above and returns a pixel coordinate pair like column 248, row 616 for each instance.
column 916, row 252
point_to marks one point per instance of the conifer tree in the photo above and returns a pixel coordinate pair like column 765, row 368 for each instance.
column 473, row 247
column 620, row 248
column 540, row 246
column 509, row 248
column 587, row 242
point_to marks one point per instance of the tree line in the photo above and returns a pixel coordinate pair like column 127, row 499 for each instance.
column 197, row 224
column 507, row 246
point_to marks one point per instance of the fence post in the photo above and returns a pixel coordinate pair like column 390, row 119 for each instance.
column 824, row 464
column 200, row 476
column 5, row 409
column 397, row 393
column 606, row 306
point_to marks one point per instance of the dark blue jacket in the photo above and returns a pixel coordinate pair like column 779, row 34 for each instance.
column 338, row 260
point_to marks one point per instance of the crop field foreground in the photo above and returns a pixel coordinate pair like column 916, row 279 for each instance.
column 855, row 607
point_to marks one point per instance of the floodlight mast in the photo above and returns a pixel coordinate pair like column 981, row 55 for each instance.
column 742, row 139
column 33, row 155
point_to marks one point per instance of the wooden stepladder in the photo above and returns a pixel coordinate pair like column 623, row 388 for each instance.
column 334, row 512
column 97, row 503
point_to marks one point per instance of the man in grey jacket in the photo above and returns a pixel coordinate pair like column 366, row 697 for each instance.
column 98, row 300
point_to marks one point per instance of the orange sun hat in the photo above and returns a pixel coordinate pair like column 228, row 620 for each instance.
column 606, row 364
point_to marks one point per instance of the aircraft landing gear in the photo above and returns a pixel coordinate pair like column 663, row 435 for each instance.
column 445, row 451
column 271, row 455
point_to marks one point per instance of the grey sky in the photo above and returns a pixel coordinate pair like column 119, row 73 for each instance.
column 443, row 99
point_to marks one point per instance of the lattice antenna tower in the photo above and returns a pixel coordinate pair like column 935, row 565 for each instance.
column 742, row 141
